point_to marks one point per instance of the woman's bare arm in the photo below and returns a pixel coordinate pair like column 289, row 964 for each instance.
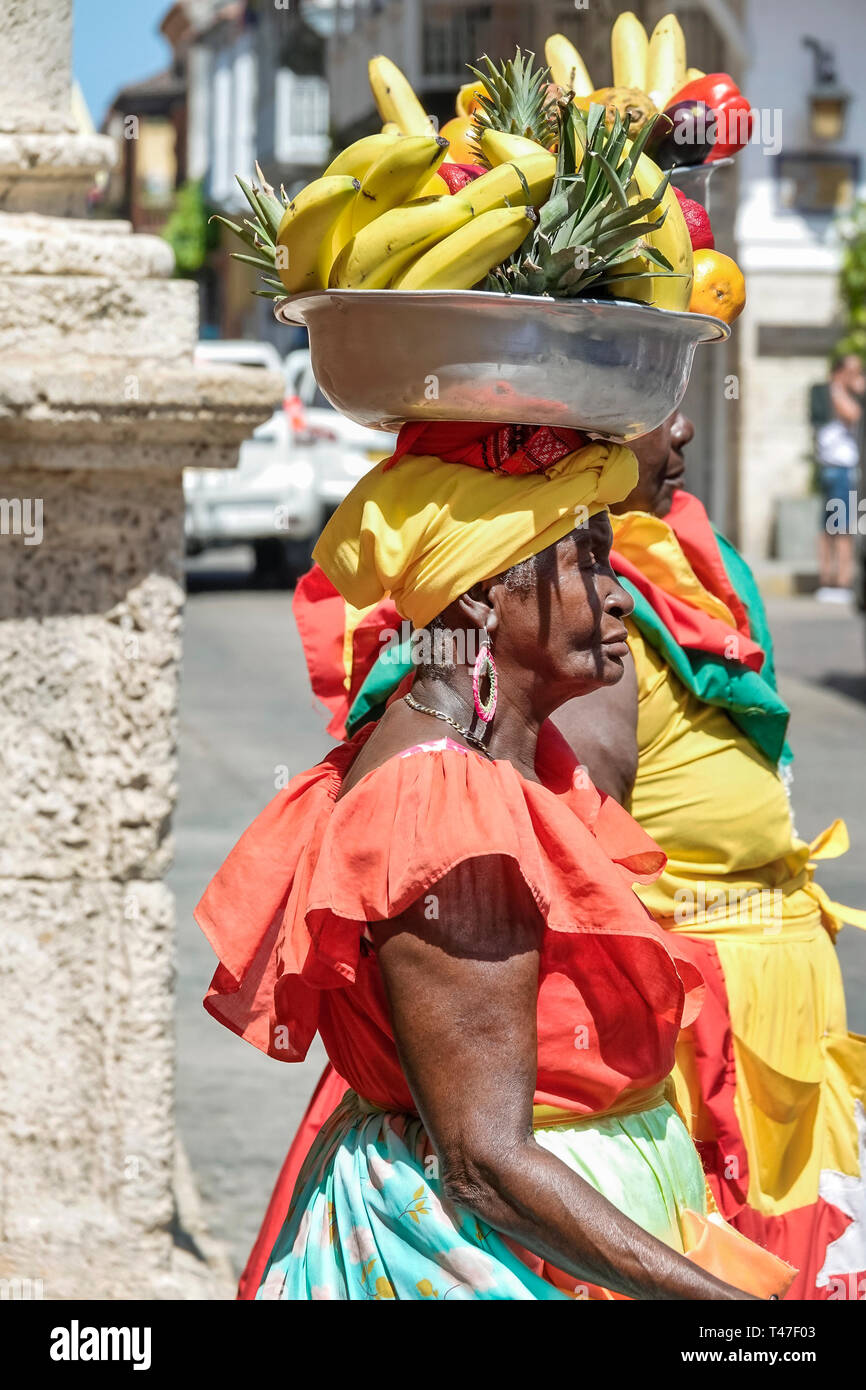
column 846, row 406
column 462, row 990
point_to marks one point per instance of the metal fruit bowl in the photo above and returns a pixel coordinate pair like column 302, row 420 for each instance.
column 613, row 368
column 694, row 179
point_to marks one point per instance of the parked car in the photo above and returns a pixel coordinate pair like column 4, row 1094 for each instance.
column 271, row 500
column 345, row 451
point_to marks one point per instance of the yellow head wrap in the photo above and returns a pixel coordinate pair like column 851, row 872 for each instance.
column 425, row 531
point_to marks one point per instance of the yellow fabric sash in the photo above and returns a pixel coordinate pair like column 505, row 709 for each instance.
column 830, row 844
column 759, row 908
column 548, row 1116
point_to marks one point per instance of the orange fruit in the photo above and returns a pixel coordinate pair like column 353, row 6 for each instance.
column 467, row 97
column 718, row 287
column 457, row 132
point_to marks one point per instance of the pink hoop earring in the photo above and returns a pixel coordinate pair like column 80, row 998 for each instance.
column 484, row 664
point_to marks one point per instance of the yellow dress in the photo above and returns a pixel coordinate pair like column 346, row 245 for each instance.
column 769, row 1078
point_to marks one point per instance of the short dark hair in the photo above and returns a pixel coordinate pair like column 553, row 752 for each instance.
column 518, row 579
column 840, row 357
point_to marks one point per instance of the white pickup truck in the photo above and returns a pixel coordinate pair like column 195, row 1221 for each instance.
column 292, row 473
column 270, row 500
column 347, row 451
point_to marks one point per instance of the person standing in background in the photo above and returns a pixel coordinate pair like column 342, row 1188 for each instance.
column 838, row 450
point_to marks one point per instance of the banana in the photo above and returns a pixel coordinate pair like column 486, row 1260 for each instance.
column 567, row 68
column 304, row 237
column 525, row 180
column 391, row 128
column 463, row 258
column 499, row 148
column 357, row 158
column 692, row 75
column 671, row 238
column 628, row 50
column 395, row 98
column 666, row 61
column 397, row 175
column 385, row 247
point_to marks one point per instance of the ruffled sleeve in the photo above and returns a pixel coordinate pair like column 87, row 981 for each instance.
column 287, row 911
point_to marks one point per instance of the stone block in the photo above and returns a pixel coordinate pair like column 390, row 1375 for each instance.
column 90, row 638
column 99, row 317
column 86, row 1142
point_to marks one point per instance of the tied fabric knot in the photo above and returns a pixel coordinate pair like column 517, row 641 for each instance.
column 509, row 449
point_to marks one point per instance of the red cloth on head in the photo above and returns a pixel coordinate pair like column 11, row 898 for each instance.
column 499, row 448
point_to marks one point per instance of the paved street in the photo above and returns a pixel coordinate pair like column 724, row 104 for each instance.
column 246, row 710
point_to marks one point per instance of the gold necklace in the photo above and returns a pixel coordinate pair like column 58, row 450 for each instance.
column 438, row 714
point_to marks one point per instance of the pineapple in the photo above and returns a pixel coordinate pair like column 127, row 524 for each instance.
column 260, row 234
column 514, row 99
column 588, row 232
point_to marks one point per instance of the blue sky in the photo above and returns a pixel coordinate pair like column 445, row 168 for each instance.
column 116, row 42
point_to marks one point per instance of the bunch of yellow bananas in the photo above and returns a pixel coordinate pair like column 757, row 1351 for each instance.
column 655, row 66
column 381, row 216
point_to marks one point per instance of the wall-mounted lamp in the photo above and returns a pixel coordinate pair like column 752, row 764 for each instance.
column 828, row 102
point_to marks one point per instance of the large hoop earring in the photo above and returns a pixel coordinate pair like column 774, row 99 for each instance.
column 484, row 665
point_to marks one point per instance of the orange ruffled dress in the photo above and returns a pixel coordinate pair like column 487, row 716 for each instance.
column 288, row 911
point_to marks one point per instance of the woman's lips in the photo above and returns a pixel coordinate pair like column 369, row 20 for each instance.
column 676, row 473
column 617, row 644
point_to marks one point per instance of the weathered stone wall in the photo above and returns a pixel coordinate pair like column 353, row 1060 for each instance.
column 100, row 411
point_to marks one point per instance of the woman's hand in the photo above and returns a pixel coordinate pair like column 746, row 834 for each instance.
column 461, row 973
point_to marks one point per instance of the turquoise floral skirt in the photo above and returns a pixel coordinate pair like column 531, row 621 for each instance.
column 368, row 1219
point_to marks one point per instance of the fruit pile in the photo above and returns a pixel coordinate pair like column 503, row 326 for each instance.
column 556, row 200
column 701, row 117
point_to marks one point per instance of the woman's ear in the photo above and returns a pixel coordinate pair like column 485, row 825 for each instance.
column 477, row 607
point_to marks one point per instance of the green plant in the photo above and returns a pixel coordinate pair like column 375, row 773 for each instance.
column 852, row 281
column 188, row 230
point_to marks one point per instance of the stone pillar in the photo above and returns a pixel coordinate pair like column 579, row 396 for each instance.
column 100, row 410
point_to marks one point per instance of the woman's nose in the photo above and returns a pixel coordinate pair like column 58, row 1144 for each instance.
column 683, row 429
column 619, row 602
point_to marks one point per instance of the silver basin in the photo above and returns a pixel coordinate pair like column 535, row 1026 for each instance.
column 694, row 179
column 612, row 368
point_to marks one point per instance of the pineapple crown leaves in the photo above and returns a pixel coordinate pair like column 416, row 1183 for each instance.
column 591, row 223
column 514, row 99
column 260, row 233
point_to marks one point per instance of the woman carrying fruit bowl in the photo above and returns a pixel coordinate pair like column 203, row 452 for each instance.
column 452, row 908
column 449, row 902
